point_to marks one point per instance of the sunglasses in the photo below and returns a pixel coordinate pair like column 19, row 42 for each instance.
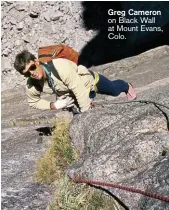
column 31, row 68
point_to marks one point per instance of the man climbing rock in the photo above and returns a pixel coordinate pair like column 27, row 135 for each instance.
column 71, row 83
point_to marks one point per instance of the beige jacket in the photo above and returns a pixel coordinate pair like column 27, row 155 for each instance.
column 75, row 79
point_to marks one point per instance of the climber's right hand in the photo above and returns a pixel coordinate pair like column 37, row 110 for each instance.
column 63, row 102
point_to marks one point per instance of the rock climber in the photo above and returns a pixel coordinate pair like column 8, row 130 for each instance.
column 71, row 83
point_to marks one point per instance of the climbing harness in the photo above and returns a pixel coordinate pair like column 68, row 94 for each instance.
column 96, row 79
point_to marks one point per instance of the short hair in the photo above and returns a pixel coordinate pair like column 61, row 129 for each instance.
column 22, row 59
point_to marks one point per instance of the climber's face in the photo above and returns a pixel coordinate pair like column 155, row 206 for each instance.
column 34, row 70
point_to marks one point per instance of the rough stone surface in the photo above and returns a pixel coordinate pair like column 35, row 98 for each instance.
column 118, row 143
column 124, row 143
column 32, row 24
column 24, row 139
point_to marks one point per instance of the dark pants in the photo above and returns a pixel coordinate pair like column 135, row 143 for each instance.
column 113, row 88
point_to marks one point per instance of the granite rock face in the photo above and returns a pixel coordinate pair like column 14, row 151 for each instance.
column 25, row 136
column 126, row 143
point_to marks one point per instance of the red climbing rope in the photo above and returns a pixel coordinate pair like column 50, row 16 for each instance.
column 130, row 189
column 64, row 162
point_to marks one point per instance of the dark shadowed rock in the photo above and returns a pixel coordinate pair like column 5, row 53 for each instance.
column 124, row 143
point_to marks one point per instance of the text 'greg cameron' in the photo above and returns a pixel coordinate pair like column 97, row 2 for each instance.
column 133, row 12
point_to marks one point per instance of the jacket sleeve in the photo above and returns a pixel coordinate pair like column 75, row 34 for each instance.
column 34, row 97
column 68, row 73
